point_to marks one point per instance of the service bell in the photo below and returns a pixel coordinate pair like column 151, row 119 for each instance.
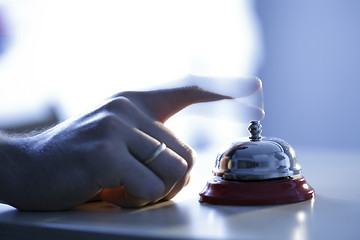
column 256, row 171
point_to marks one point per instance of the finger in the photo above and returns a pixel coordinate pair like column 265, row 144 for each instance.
column 139, row 187
column 162, row 104
column 172, row 169
column 167, row 165
column 121, row 197
column 235, row 110
column 145, row 183
column 177, row 150
column 235, row 87
column 136, row 119
column 163, row 134
column 121, row 168
column 142, row 184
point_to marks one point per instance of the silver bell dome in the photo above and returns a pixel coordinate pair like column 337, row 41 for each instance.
column 257, row 158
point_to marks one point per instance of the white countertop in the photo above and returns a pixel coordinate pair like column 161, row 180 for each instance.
column 333, row 214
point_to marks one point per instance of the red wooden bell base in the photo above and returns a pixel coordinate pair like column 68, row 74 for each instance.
column 281, row 191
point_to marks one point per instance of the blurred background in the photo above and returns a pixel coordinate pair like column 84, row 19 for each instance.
column 310, row 71
column 59, row 58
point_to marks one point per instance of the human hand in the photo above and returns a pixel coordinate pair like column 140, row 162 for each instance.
column 104, row 149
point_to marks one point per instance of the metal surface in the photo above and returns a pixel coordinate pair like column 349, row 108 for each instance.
column 257, row 158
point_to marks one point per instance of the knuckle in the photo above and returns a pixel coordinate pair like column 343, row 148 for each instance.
column 181, row 168
column 106, row 153
column 103, row 128
column 108, row 122
column 190, row 156
column 156, row 191
column 104, row 148
column 153, row 191
column 118, row 104
column 127, row 94
column 177, row 167
column 98, row 126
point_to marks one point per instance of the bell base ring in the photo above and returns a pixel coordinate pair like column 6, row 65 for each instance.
column 242, row 193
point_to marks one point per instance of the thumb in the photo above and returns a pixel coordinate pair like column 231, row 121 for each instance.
column 162, row 104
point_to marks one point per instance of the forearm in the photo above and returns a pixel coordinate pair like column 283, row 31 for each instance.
column 5, row 167
column 11, row 168
column 28, row 180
